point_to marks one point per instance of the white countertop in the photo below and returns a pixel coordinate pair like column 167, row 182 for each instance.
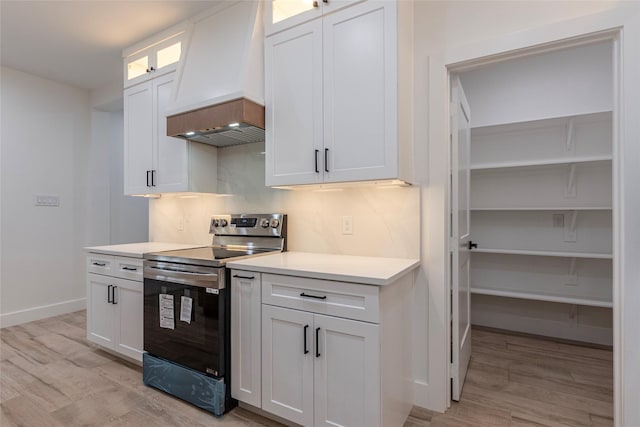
column 344, row 268
column 137, row 250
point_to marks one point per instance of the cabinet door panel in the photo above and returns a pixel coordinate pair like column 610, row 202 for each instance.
column 347, row 373
column 360, row 92
column 293, row 93
column 245, row 338
column 170, row 155
column 287, row 372
column 100, row 312
column 128, row 303
column 138, row 138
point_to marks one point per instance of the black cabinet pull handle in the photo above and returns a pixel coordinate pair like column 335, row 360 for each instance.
column 109, row 298
column 317, row 152
column 304, row 331
column 317, row 341
column 99, row 264
column 148, row 172
column 326, row 160
column 244, row 277
column 326, row 1
column 129, row 268
column 113, row 291
column 472, row 245
column 313, row 296
column 153, row 178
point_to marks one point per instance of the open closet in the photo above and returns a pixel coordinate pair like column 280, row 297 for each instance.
column 541, row 195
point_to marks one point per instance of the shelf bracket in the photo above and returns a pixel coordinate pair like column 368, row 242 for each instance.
column 570, row 191
column 573, row 315
column 570, row 227
column 570, row 142
column 572, row 279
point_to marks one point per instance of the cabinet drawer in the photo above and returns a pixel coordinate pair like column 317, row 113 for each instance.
column 342, row 299
column 101, row 264
column 115, row 266
column 128, row 268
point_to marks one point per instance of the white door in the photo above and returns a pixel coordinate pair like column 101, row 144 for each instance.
column 360, row 93
column 293, row 95
column 347, row 372
column 129, row 323
column 287, row 364
column 170, row 172
column 100, row 310
column 138, row 138
column 460, row 238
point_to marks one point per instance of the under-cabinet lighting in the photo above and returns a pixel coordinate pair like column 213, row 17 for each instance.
column 190, row 133
column 327, row 190
column 148, row 196
column 234, row 125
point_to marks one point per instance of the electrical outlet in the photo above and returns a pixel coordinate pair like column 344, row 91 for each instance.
column 347, row 224
column 558, row 220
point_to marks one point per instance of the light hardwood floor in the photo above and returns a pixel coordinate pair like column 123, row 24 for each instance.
column 51, row 376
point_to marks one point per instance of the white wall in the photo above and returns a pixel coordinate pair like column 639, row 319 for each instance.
column 45, row 129
column 116, row 218
column 444, row 32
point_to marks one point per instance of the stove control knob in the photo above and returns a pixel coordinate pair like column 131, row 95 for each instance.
column 223, row 222
column 215, row 222
column 275, row 223
column 264, row 223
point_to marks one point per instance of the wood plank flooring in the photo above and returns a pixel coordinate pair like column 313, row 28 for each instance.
column 51, row 376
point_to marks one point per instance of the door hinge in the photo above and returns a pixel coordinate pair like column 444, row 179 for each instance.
column 452, row 372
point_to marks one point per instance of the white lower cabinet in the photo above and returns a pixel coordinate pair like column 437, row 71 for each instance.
column 318, row 367
column 115, row 304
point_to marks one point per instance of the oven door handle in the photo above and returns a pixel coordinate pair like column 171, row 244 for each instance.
column 183, row 276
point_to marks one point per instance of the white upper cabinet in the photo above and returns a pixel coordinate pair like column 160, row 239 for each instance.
column 141, row 64
column 333, row 91
column 155, row 162
column 294, row 131
column 282, row 14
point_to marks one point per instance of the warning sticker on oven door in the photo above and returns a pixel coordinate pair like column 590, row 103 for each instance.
column 186, row 304
column 166, row 312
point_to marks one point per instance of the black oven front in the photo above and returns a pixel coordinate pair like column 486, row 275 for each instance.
column 186, row 316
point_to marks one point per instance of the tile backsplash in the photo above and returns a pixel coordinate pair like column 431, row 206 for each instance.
column 386, row 221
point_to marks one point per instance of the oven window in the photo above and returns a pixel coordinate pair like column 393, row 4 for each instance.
column 196, row 343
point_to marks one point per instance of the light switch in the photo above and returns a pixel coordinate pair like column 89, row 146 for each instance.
column 47, row 200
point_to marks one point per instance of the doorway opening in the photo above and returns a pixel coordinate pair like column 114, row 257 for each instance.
column 533, row 160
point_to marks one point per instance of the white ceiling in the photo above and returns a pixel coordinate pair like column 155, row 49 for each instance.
column 80, row 42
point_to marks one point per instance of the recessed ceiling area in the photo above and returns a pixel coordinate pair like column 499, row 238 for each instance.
column 80, row 42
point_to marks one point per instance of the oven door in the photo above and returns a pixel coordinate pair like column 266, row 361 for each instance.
column 185, row 315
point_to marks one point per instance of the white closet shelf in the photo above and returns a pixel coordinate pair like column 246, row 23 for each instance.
column 566, row 299
column 544, row 253
column 545, row 208
column 544, row 121
column 542, row 162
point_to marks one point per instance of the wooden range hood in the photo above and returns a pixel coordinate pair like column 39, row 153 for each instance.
column 238, row 121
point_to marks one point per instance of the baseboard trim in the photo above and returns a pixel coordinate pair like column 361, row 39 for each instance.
column 42, row 312
column 424, row 397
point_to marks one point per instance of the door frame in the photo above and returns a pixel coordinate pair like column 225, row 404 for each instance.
column 612, row 25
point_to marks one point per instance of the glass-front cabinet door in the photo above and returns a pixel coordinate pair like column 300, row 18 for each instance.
column 283, row 14
column 152, row 61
